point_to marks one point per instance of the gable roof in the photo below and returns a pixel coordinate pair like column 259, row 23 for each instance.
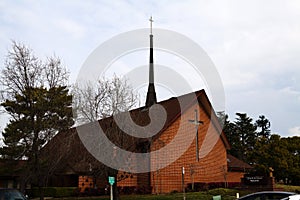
column 174, row 111
column 65, row 154
column 76, row 150
column 234, row 164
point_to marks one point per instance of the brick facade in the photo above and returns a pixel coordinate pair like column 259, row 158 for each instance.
column 208, row 169
column 212, row 167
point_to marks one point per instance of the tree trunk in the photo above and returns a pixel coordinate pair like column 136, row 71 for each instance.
column 22, row 185
column 41, row 191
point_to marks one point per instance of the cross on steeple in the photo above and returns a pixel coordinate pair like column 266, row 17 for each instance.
column 197, row 123
column 151, row 20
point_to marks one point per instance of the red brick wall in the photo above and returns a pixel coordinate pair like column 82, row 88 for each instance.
column 235, row 177
column 208, row 169
column 85, row 182
column 130, row 181
column 211, row 168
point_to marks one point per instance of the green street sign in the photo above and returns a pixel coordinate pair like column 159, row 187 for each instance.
column 111, row 180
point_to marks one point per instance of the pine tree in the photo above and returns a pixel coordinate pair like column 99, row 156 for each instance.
column 39, row 105
column 264, row 125
column 246, row 131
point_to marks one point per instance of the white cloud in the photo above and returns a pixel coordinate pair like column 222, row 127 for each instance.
column 295, row 131
column 71, row 28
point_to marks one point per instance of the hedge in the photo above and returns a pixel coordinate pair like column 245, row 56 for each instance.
column 54, row 192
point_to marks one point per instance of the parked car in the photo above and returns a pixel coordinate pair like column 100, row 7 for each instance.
column 267, row 195
column 11, row 194
column 293, row 197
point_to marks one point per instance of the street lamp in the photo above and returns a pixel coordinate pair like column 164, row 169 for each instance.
column 183, row 188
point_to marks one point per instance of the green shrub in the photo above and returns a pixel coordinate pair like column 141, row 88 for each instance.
column 174, row 192
column 65, row 191
column 54, row 192
column 222, row 191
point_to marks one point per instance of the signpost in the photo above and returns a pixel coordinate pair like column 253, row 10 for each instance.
column 111, row 181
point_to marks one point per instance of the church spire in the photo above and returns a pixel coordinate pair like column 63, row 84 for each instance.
column 151, row 94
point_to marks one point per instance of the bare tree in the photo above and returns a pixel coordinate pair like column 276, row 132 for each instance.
column 22, row 69
column 106, row 98
column 55, row 74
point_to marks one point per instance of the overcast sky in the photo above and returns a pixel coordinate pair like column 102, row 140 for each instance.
column 254, row 44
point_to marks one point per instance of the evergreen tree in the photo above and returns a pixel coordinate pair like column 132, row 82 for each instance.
column 38, row 113
column 37, row 99
column 229, row 130
column 292, row 144
column 245, row 130
column 255, row 145
column 264, row 125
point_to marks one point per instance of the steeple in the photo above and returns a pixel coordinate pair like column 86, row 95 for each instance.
column 151, row 94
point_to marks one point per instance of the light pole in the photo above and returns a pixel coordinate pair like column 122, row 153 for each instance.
column 183, row 188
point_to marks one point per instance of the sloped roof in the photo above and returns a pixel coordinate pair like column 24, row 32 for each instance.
column 66, row 154
column 174, row 111
column 77, row 152
column 235, row 164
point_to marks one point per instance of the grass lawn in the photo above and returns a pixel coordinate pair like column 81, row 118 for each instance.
column 288, row 188
column 177, row 196
column 226, row 194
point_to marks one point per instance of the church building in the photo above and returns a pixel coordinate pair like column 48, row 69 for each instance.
column 196, row 157
column 203, row 163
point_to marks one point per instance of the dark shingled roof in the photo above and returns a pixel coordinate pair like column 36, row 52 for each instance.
column 76, row 160
column 234, row 164
column 174, row 110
